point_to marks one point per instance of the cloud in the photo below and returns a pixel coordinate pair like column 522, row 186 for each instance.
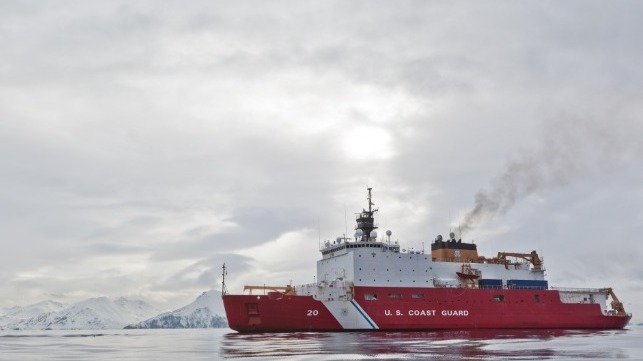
column 144, row 145
column 570, row 148
column 286, row 258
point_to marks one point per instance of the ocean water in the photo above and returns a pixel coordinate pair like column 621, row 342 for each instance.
column 222, row 344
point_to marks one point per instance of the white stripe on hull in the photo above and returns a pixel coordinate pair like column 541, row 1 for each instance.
column 350, row 315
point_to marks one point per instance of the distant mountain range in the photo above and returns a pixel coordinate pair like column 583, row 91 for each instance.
column 204, row 312
column 103, row 313
column 94, row 313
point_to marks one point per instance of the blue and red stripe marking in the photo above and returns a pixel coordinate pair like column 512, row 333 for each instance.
column 364, row 315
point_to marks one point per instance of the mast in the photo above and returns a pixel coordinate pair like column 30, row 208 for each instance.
column 366, row 221
column 224, row 289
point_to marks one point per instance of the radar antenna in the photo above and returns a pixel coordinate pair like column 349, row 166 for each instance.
column 366, row 221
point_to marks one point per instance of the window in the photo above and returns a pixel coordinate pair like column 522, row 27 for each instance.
column 370, row 296
column 394, row 295
column 417, row 295
column 252, row 308
column 537, row 298
column 498, row 298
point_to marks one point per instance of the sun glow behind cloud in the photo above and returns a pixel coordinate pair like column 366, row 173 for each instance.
column 365, row 142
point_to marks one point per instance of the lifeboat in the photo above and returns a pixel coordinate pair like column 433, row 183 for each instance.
column 467, row 273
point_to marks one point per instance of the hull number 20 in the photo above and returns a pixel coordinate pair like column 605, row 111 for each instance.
column 312, row 313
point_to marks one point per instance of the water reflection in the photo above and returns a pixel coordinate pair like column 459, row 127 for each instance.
column 463, row 344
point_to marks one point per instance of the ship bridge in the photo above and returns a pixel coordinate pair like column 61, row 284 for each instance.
column 365, row 235
column 342, row 245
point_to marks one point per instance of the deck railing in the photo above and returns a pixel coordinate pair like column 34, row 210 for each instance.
column 579, row 290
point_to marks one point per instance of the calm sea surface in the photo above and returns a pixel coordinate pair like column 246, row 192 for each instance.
column 219, row 344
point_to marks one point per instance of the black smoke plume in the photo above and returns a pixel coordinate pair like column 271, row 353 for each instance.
column 568, row 149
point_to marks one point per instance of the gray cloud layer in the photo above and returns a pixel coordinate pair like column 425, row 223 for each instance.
column 143, row 144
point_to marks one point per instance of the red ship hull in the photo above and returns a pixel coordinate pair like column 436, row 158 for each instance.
column 441, row 308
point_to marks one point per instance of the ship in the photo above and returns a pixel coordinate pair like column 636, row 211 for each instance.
column 369, row 283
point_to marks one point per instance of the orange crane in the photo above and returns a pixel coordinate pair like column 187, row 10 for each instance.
column 531, row 257
column 616, row 304
column 288, row 290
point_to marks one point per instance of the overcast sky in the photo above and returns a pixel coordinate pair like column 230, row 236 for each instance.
column 145, row 143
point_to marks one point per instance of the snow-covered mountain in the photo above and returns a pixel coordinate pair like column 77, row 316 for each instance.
column 94, row 313
column 17, row 313
column 206, row 311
